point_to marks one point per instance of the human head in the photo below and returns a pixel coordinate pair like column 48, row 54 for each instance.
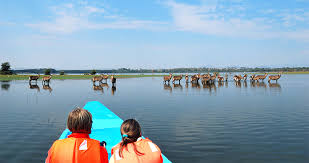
column 131, row 128
column 80, row 121
column 130, row 132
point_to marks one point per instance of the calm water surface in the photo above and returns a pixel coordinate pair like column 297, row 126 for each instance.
column 190, row 123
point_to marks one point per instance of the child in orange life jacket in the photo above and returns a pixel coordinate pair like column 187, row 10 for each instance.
column 133, row 148
column 78, row 147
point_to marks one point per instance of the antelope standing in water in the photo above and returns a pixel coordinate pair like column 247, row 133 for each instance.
column 213, row 77
column 175, row 78
column 104, row 77
column 274, row 77
column 252, row 77
column 205, row 79
column 46, row 79
column 220, row 78
column 194, row 79
column 245, row 77
column 113, row 80
column 187, row 78
column 261, row 77
column 97, row 78
column 167, row 78
column 34, row 77
column 237, row 78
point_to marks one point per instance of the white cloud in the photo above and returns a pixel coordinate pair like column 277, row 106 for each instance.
column 210, row 20
column 70, row 18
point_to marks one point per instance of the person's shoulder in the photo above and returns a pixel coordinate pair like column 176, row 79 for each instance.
column 152, row 145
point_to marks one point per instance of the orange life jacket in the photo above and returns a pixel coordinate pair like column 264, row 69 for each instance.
column 77, row 148
column 151, row 153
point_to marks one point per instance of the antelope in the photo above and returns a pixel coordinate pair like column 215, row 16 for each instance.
column 205, row 80
column 237, row 78
column 220, row 78
column 262, row 77
column 255, row 78
column 245, row 77
column 213, row 77
column 167, row 78
column 97, row 78
column 104, row 77
column 187, row 78
column 175, row 78
column 252, row 77
column 194, row 79
column 46, row 79
column 35, row 78
column 113, row 80
column 274, row 77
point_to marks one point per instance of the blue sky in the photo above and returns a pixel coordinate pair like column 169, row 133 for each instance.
column 103, row 34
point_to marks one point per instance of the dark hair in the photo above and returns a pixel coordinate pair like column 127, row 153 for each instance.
column 132, row 131
column 80, row 121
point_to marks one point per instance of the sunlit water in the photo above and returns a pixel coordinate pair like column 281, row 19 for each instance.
column 190, row 123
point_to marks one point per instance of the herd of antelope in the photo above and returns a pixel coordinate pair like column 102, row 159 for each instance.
column 101, row 78
column 211, row 78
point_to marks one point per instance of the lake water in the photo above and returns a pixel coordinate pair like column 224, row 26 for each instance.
column 190, row 123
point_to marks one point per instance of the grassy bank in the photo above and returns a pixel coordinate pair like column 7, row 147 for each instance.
column 63, row 77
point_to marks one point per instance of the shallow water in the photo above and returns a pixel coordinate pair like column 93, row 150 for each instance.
column 190, row 123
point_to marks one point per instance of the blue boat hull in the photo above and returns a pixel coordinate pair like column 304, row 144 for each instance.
column 105, row 127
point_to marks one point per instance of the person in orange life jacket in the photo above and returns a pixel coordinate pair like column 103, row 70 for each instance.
column 78, row 147
column 133, row 148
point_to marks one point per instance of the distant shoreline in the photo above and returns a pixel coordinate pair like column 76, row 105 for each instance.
column 64, row 77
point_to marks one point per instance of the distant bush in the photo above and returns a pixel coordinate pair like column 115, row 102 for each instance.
column 47, row 71
column 93, row 72
column 61, row 72
column 6, row 69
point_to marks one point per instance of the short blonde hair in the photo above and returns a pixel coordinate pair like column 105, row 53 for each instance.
column 80, row 121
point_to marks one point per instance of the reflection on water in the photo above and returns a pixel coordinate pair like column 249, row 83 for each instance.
column 34, row 86
column 5, row 85
column 101, row 86
column 113, row 89
column 167, row 87
column 177, row 86
column 221, row 122
column 47, row 87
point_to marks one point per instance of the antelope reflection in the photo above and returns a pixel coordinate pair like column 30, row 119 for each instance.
column 168, row 87
column 34, row 86
column 196, row 85
column 220, row 84
column 210, row 87
column 258, row 84
column 177, row 86
column 100, row 87
column 5, row 85
column 47, row 87
column 113, row 90
column 274, row 86
column 238, row 84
